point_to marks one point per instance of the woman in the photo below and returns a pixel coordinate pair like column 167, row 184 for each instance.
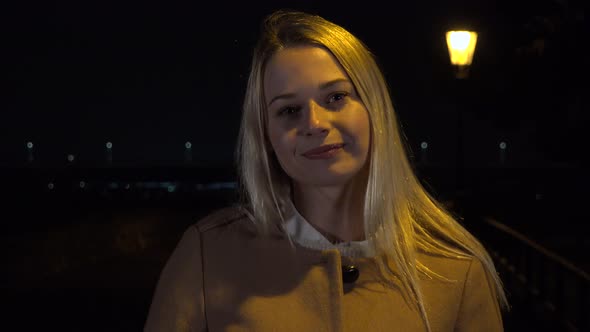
column 334, row 231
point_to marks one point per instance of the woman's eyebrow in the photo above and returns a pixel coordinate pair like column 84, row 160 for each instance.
column 333, row 82
column 283, row 96
column 322, row 86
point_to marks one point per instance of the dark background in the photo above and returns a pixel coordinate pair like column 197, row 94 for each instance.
column 151, row 76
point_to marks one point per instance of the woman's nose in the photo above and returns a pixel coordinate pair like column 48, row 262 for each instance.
column 316, row 121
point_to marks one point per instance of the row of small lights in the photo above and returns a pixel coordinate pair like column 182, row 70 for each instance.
column 424, row 145
column 188, row 146
column 171, row 187
column 109, row 145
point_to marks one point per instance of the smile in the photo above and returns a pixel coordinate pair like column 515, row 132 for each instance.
column 323, row 152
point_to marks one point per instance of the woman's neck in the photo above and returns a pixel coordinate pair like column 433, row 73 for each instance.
column 336, row 212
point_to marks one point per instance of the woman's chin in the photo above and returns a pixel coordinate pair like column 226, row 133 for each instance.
column 328, row 177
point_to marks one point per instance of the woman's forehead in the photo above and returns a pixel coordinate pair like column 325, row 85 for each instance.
column 308, row 66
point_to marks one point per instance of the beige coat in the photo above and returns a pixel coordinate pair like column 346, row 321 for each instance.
column 222, row 277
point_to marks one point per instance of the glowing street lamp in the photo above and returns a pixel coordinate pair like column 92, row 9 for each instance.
column 461, row 46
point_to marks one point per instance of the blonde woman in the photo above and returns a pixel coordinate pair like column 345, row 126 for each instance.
column 334, row 232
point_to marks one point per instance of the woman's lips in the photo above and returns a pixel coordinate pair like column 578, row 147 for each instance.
column 323, row 152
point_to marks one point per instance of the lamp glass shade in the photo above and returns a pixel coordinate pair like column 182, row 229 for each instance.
column 461, row 46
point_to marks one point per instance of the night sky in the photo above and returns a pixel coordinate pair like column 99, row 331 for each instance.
column 150, row 76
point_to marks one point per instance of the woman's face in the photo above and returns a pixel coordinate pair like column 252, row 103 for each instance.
column 312, row 104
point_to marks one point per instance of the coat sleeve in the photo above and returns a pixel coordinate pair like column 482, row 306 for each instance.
column 479, row 310
column 178, row 302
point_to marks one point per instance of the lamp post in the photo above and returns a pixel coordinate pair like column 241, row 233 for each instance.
column 461, row 45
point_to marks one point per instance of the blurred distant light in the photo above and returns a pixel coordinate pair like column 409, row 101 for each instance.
column 71, row 157
column 82, row 184
column 216, row 186
column 188, row 145
column 424, row 145
column 171, row 188
column 29, row 145
column 109, row 145
column 50, row 186
column 503, row 145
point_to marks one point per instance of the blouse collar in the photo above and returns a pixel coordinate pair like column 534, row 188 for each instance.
column 302, row 232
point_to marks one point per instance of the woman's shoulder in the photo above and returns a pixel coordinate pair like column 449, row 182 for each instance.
column 220, row 217
column 468, row 294
column 453, row 268
column 231, row 219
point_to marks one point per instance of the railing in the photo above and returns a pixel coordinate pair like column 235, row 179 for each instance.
column 546, row 284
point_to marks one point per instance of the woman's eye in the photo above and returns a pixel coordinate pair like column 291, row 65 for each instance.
column 289, row 110
column 337, row 97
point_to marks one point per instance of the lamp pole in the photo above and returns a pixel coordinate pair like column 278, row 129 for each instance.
column 461, row 46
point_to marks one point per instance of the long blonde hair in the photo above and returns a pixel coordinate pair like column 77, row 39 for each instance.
column 401, row 217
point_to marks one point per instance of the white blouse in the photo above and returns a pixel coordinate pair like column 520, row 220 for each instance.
column 302, row 232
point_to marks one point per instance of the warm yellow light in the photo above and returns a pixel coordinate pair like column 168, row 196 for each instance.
column 461, row 46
